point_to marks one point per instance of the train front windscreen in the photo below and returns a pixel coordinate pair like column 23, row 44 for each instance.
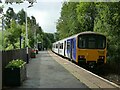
column 91, row 41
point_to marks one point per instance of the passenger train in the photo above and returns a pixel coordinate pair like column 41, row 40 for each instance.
column 86, row 47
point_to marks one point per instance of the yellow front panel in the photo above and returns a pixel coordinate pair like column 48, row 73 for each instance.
column 91, row 54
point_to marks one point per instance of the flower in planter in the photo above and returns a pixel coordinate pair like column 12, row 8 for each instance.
column 15, row 73
column 15, row 63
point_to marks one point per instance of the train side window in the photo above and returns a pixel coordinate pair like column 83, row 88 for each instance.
column 62, row 46
column 68, row 45
column 56, row 45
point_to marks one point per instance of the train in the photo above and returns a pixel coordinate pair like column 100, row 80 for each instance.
column 88, row 48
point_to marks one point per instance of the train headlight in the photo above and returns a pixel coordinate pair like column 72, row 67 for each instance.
column 101, row 57
column 81, row 57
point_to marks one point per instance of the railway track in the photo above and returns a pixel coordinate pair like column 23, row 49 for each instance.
column 88, row 78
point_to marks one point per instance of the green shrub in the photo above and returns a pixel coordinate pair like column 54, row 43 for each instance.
column 15, row 63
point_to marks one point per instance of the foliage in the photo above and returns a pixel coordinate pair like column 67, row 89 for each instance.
column 15, row 31
column 86, row 15
column 12, row 34
column 68, row 24
column 108, row 23
column 9, row 16
column 48, row 39
column 102, row 17
column 21, row 17
column 15, row 63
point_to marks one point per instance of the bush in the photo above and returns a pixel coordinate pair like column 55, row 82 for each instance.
column 15, row 63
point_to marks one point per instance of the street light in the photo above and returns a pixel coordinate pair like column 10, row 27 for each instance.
column 1, row 17
column 27, row 34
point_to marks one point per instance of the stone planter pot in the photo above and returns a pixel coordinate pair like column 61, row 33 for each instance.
column 14, row 76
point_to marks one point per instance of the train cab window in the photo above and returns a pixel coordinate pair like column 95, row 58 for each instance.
column 101, row 42
column 91, row 42
column 82, row 42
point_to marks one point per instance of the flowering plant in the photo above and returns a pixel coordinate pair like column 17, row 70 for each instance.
column 15, row 63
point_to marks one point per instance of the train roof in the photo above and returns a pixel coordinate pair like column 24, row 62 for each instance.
column 81, row 33
column 89, row 32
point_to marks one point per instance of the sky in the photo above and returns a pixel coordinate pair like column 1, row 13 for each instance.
column 46, row 12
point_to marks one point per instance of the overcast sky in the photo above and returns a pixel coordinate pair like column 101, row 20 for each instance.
column 46, row 12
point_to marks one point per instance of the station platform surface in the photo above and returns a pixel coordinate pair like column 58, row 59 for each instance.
column 49, row 70
column 45, row 72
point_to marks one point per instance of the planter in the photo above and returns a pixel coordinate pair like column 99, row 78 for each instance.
column 14, row 76
column 33, row 54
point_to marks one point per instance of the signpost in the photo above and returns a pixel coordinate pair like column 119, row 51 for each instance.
column 1, row 27
column 1, row 50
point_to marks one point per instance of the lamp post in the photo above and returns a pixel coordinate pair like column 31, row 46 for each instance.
column 27, row 34
column 1, row 17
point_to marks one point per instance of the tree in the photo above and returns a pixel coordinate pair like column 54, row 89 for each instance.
column 68, row 24
column 86, row 13
column 21, row 17
column 9, row 16
column 108, row 23
column 12, row 35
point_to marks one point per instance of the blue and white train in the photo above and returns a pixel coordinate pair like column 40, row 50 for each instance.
column 88, row 47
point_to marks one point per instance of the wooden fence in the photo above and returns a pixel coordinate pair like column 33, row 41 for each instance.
column 9, row 55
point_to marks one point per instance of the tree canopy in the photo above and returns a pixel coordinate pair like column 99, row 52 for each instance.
column 15, row 31
column 102, row 17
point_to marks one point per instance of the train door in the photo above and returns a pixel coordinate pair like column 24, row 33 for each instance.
column 74, row 49
column 64, row 48
column 58, row 47
column 68, row 48
column 71, row 48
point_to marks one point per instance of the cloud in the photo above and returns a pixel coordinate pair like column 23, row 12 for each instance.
column 46, row 13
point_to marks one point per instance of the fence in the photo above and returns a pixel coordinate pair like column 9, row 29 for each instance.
column 9, row 55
